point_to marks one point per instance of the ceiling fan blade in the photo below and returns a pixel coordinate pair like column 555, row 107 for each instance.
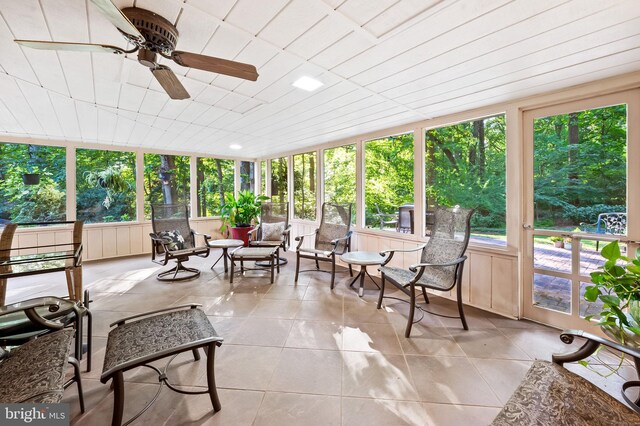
column 170, row 82
column 71, row 47
column 117, row 18
column 217, row 65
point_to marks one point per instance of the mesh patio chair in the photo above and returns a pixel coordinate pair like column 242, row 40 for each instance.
column 440, row 266
column 274, row 228
column 173, row 239
column 386, row 219
column 405, row 219
column 332, row 238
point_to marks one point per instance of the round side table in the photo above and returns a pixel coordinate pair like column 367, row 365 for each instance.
column 363, row 259
column 225, row 245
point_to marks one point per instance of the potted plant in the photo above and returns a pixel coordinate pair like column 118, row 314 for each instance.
column 109, row 179
column 238, row 214
column 617, row 286
column 558, row 241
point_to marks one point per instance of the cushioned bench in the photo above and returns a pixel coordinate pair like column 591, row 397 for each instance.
column 35, row 371
column 552, row 395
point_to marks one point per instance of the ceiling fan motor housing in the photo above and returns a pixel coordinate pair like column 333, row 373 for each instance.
column 160, row 34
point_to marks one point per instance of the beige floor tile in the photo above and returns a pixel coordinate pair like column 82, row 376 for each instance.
column 379, row 376
column 226, row 327
column 320, row 311
column 458, row 415
column 288, row 292
column 307, row 371
column 487, row 343
column 239, row 407
column 244, row 367
column 240, row 305
column 450, row 380
column 315, row 335
column 102, row 320
column 323, row 294
column 381, row 412
column 503, row 376
column 261, row 332
column 292, row 409
column 371, row 337
column 272, row 308
column 539, row 343
column 362, row 311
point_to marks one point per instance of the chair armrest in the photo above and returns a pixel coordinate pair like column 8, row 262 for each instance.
column 590, row 346
column 300, row 237
column 39, row 302
column 254, row 230
column 337, row 240
column 414, row 267
column 392, row 252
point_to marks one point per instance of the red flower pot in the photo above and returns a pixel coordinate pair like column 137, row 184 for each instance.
column 241, row 233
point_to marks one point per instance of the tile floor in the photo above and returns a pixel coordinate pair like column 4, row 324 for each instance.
column 301, row 354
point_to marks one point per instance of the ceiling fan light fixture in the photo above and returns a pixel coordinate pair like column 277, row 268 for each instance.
column 307, row 83
column 235, row 146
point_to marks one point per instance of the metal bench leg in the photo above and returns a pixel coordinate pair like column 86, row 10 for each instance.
column 76, row 378
column 196, row 355
column 118, row 398
column 211, row 379
column 89, row 338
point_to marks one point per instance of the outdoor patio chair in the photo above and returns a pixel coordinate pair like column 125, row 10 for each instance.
column 332, row 238
column 405, row 218
column 386, row 219
column 440, row 266
column 173, row 239
column 25, row 320
column 614, row 223
column 274, row 228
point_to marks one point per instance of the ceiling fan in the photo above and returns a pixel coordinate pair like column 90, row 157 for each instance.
column 151, row 35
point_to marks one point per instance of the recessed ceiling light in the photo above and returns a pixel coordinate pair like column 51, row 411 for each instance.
column 235, row 146
column 307, row 83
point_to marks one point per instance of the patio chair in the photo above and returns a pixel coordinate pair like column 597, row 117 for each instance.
column 614, row 223
column 173, row 239
column 332, row 238
column 386, row 219
column 405, row 218
column 274, row 228
column 440, row 266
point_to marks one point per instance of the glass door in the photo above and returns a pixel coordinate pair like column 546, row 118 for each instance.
column 579, row 195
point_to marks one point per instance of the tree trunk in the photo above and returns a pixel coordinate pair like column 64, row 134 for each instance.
column 220, row 185
column 478, row 133
column 430, row 168
column 169, row 193
column 573, row 139
column 202, row 194
column 245, row 171
column 446, row 151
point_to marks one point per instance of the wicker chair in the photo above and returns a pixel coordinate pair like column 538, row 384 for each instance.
column 274, row 228
column 332, row 239
column 173, row 239
column 441, row 263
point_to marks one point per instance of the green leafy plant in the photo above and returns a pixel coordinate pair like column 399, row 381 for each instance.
column 241, row 211
column 556, row 239
column 109, row 179
column 617, row 286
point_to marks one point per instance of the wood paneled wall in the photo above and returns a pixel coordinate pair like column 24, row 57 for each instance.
column 104, row 241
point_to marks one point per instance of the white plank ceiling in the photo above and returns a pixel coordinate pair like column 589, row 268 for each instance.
column 383, row 63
